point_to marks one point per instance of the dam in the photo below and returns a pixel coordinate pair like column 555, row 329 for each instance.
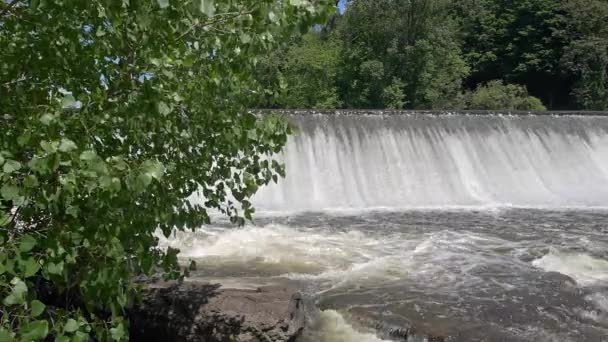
column 470, row 226
column 409, row 161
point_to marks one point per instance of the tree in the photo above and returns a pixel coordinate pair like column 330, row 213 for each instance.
column 413, row 41
column 113, row 113
column 309, row 71
column 585, row 57
column 515, row 41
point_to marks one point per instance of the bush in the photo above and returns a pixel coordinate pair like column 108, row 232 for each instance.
column 393, row 95
column 495, row 95
column 113, row 113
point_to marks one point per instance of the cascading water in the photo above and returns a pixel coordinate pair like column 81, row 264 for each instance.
column 439, row 161
column 476, row 227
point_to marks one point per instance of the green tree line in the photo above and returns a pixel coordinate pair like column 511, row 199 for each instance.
column 440, row 54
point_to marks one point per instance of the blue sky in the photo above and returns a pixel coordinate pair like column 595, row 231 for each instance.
column 342, row 5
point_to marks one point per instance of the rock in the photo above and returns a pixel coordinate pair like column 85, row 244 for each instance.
column 195, row 312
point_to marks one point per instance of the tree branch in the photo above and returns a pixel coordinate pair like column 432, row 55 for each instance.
column 20, row 79
column 8, row 8
column 223, row 18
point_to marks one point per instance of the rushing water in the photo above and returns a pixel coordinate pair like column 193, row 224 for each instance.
column 482, row 228
column 423, row 161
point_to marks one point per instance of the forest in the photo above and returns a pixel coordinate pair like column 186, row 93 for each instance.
column 447, row 54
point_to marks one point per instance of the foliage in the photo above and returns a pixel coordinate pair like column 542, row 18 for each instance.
column 393, row 95
column 412, row 41
column 515, row 41
column 439, row 49
column 309, row 73
column 113, row 113
column 495, row 95
column 585, row 57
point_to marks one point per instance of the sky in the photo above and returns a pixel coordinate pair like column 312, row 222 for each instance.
column 342, row 5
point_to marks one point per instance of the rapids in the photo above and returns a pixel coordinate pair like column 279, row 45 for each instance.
column 482, row 228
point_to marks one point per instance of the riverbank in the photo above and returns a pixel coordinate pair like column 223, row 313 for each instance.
column 193, row 312
column 197, row 311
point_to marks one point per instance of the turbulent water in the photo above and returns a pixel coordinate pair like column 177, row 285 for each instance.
column 481, row 228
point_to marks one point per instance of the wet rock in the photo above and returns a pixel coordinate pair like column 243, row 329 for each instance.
column 194, row 312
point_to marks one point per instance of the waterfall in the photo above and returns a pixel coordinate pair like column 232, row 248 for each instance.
column 417, row 161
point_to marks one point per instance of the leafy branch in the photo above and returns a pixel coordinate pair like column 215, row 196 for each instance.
column 216, row 19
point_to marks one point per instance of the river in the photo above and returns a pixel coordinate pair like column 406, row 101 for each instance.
column 476, row 227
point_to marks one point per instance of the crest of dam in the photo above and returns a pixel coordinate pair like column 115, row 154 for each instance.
column 372, row 160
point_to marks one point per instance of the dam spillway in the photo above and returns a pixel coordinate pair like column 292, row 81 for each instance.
column 368, row 160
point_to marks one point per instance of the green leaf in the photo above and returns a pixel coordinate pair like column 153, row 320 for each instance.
column 5, row 335
column 273, row 17
column 67, row 145
column 49, row 146
column 53, row 268
column 72, row 211
column 143, row 181
column 1, row 159
column 62, row 339
column 71, row 325
column 37, row 308
column 119, row 164
column 31, row 267
column 11, row 166
column 17, row 294
column 27, row 243
column 4, row 220
column 163, row 3
column 189, row 61
column 46, row 120
column 168, row 73
column 208, row 7
column 33, row 331
column 163, row 109
column 153, row 168
column 118, row 333
column 105, row 182
column 68, row 101
column 30, row 181
column 9, row 192
column 24, row 138
column 80, row 337
column 88, row 155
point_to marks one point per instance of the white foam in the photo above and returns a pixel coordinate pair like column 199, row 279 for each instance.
column 400, row 162
column 334, row 259
column 287, row 249
column 599, row 308
column 600, row 301
column 332, row 327
column 585, row 269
